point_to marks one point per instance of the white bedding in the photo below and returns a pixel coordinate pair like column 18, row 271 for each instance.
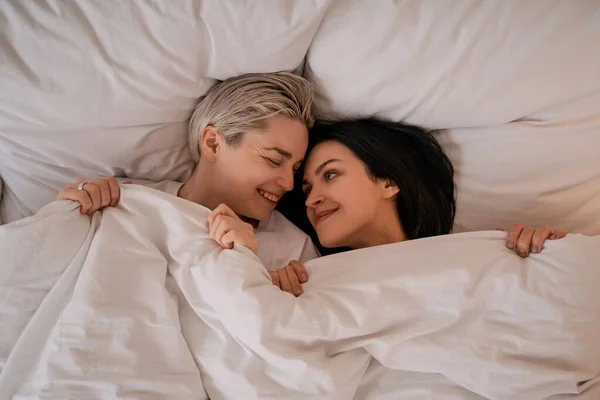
column 108, row 307
column 102, row 88
column 97, row 88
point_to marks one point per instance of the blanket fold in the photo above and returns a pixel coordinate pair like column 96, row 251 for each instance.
column 138, row 302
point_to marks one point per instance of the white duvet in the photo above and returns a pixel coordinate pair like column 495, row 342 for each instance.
column 138, row 303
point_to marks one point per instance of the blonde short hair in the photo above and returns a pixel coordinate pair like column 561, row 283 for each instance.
column 242, row 103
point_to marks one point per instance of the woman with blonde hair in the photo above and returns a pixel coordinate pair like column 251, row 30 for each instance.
column 248, row 136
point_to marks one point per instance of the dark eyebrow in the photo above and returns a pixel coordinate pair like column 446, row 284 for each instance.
column 284, row 153
column 318, row 170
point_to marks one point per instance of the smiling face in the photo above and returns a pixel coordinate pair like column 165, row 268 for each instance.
column 254, row 174
column 345, row 204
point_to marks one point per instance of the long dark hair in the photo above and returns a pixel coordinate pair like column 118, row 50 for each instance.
column 407, row 155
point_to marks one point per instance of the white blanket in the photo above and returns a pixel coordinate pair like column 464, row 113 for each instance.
column 137, row 302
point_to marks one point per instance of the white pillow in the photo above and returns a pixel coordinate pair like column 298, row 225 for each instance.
column 449, row 64
column 105, row 88
column 531, row 171
column 516, row 82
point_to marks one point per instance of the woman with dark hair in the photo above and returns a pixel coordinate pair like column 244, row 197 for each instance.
column 369, row 182
column 377, row 182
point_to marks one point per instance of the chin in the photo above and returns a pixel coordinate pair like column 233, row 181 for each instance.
column 259, row 215
column 329, row 242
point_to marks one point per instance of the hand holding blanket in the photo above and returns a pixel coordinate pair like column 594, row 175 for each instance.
column 139, row 302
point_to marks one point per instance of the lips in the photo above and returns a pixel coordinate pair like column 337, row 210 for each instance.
column 268, row 195
column 323, row 215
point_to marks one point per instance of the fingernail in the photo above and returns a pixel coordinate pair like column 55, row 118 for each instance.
column 304, row 277
column 522, row 253
column 511, row 245
column 535, row 249
column 298, row 290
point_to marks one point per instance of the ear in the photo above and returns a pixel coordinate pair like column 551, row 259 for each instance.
column 211, row 142
column 388, row 188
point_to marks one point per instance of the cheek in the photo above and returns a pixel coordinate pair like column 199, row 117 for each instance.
column 359, row 207
column 310, row 214
column 252, row 174
column 356, row 194
column 360, row 204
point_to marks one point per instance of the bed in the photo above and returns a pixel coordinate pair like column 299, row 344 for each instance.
column 512, row 89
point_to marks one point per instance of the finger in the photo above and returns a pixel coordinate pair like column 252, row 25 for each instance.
column 539, row 237
column 247, row 226
column 114, row 190
column 225, row 210
column 561, row 233
column 558, row 234
column 241, row 237
column 221, row 209
column 300, row 270
column 293, row 278
column 127, row 183
column 225, row 227
column 104, row 191
column 275, row 278
column 94, row 193
column 524, row 242
column 77, row 182
column 513, row 236
column 212, row 231
column 230, row 237
column 222, row 227
column 212, row 227
column 80, row 196
column 64, row 194
column 211, row 217
column 284, row 281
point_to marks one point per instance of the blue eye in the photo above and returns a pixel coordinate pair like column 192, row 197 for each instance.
column 329, row 175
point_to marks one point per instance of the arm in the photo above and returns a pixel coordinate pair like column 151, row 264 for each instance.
column 95, row 194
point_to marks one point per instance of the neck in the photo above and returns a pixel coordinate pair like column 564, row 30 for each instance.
column 386, row 229
column 203, row 188
column 200, row 188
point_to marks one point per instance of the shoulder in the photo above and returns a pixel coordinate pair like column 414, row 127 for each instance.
column 170, row 187
column 279, row 223
column 281, row 241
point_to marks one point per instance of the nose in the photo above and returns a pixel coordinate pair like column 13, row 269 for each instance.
column 314, row 199
column 286, row 181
